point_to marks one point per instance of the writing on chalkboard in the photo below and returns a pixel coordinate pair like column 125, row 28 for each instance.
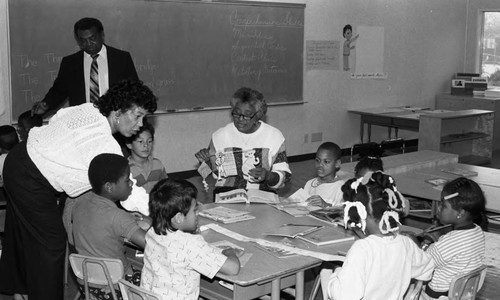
column 191, row 54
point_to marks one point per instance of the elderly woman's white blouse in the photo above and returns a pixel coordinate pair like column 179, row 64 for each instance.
column 63, row 150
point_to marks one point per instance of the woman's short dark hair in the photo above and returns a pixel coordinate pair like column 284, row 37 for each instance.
column 167, row 198
column 253, row 97
column 125, row 95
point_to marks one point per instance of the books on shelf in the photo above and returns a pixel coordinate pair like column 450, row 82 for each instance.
column 460, row 172
column 333, row 215
column 250, row 196
column 226, row 215
column 327, row 236
column 492, row 92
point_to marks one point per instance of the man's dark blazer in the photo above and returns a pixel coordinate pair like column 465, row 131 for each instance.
column 70, row 81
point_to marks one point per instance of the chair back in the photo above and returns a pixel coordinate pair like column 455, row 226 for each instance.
column 132, row 292
column 364, row 149
column 413, row 292
column 465, row 286
column 97, row 271
column 393, row 146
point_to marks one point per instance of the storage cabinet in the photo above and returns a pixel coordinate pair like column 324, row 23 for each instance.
column 467, row 133
column 461, row 102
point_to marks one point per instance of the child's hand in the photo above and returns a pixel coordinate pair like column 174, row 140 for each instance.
column 203, row 155
column 228, row 251
column 316, row 200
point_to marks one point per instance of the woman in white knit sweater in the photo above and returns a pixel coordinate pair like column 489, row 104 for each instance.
column 55, row 160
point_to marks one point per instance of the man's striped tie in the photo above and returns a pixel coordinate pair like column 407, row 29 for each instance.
column 94, row 79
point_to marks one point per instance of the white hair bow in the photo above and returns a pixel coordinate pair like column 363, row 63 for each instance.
column 361, row 212
column 355, row 184
column 385, row 221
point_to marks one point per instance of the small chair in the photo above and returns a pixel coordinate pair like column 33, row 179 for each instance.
column 392, row 147
column 132, row 292
column 414, row 290
column 364, row 149
column 96, row 271
column 465, row 286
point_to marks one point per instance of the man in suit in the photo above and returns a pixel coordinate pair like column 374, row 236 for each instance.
column 74, row 80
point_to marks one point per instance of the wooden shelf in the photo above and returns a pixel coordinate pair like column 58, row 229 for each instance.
column 467, row 133
column 453, row 138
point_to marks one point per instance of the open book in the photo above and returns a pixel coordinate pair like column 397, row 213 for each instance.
column 293, row 230
column 226, row 215
column 314, row 234
column 330, row 214
column 250, row 196
column 327, row 235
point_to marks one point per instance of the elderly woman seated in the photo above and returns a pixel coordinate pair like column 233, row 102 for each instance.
column 247, row 153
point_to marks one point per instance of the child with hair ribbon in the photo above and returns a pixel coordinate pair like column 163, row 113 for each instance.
column 463, row 248
column 380, row 265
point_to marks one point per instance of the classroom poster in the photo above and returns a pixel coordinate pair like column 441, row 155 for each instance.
column 369, row 53
column 322, row 55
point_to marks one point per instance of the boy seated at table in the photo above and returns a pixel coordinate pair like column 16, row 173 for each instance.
column 145, row 169
column 325, row 189
column 175, row 254
column 463, row 248
column 99, row 226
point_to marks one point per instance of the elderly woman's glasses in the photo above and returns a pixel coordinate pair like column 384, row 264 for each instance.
column 245, row 117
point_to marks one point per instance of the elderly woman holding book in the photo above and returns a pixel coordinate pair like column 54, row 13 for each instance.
column 247, row 153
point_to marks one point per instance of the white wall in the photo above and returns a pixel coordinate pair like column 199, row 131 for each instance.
column 424, row 45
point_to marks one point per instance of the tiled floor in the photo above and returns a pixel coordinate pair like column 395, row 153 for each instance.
column 302, row 171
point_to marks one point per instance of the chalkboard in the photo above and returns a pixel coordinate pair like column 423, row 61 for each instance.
column 191, row 53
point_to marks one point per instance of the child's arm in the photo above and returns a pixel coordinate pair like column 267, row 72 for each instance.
column 316, row 200
column 139, row 238
column 232, row 264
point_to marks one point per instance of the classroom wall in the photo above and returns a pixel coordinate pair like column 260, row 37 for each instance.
column 424, row 45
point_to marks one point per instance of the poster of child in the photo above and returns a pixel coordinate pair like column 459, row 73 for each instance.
column 349, row 40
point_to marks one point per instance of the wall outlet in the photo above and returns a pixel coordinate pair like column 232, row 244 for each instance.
column 316, row 137
column 306, row 138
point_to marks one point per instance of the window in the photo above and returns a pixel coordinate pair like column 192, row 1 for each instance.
column 490, row 47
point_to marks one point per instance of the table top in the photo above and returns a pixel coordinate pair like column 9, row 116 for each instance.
column 413, row 183
column 412, row 112
column 263, row 266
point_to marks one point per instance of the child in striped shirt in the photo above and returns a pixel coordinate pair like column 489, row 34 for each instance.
column 462, row 249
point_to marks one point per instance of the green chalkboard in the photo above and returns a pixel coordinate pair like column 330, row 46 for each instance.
column 191, row 53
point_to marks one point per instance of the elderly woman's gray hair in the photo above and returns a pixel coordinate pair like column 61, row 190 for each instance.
column 253, row 97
